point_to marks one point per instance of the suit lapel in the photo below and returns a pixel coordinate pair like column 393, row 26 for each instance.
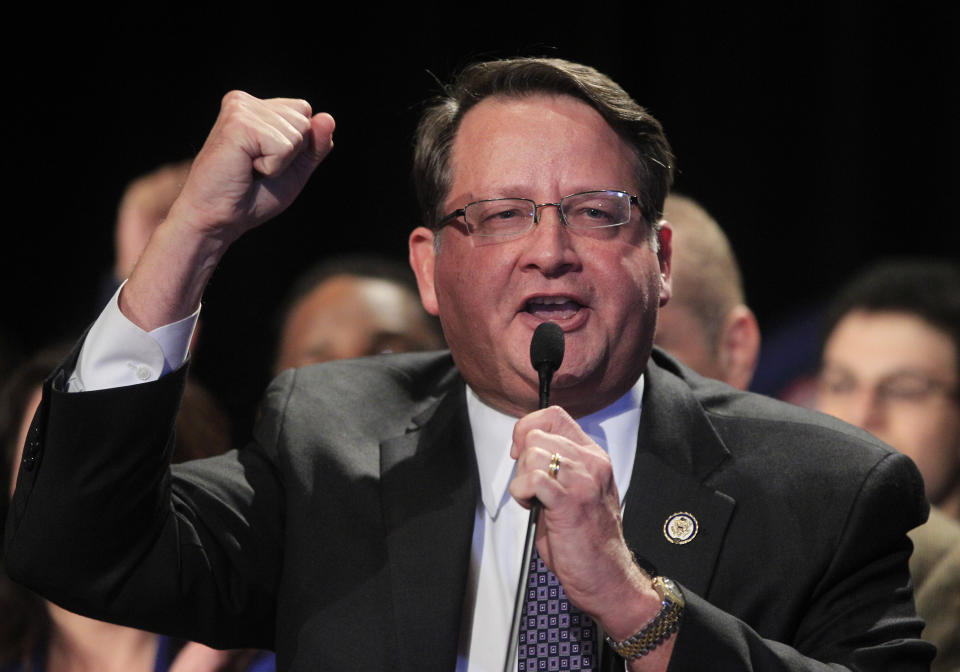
column 430, row 489
column 677, row 450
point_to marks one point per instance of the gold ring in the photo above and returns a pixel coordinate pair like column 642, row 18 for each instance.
column 554, row 467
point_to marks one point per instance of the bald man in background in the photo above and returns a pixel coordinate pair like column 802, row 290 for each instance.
column 706, row 325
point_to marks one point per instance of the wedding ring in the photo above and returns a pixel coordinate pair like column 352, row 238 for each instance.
column 554, row 467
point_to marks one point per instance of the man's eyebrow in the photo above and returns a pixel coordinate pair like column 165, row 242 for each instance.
column 827, row 365
column 911, row 371
column 497, row 191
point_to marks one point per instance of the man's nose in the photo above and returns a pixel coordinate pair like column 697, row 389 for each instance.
column 867, row 410
column 550, row 247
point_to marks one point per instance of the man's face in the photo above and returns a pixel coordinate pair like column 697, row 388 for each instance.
column 348, row 316
column 603, row 291
column 895, row 375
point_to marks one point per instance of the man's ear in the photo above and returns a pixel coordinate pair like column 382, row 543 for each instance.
column 739, row 347
column 422, row 261
column 665, row 256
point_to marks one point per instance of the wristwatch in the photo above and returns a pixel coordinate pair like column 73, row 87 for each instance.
column 663, row 625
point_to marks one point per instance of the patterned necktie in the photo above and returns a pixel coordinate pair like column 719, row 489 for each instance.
column 554, row 634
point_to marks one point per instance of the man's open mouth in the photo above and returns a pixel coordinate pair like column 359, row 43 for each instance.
column 552, row 307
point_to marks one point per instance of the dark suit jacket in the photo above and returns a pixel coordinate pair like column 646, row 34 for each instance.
column 341, row 535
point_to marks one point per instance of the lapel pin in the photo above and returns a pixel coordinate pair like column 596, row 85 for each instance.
column 680, row 528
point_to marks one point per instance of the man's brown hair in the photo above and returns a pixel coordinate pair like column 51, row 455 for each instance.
column 523, row 76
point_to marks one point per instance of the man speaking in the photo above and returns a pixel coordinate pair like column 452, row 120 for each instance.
column 376, row 520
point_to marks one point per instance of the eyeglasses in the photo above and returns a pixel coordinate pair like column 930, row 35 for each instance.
column 907, row 388
column 500, row 218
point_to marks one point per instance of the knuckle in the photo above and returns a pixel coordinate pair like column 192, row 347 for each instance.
column 535, row 435
column 303, row 107
column 598, row 462
column 300, row 126
column 233, row 98
column 297, row 138
column 530, row 458
column 557, row 414
column 286, row 145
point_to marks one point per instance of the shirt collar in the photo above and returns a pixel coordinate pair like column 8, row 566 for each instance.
column 614, row 428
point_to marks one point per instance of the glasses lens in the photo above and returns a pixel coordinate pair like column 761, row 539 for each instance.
column 499, row 217
column 596, row 209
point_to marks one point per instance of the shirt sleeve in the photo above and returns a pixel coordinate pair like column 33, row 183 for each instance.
column 117, row 352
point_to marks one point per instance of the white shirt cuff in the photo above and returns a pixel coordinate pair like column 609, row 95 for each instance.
column 117, row 352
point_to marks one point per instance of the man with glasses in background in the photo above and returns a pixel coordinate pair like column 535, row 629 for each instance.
column 377, row 518
column 891, row 365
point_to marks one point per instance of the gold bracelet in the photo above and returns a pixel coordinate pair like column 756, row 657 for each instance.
column 664, row 624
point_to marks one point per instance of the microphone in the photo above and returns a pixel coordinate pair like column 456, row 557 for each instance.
column 546, row 355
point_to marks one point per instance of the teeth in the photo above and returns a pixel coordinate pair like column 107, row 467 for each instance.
column 551, row 300
column 553, row 307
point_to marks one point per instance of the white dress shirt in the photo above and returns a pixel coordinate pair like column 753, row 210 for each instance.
column 118, row 353
column 500, row 523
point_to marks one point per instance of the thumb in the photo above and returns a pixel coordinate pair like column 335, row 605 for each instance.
column 320, row 143
column 321, row 132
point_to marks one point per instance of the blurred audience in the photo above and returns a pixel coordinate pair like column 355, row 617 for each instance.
column 352, row 306
column 891, row 365
column 143, row 206
column 706, row 324
column 37, row 635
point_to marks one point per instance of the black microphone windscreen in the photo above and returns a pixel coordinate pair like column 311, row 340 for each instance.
column 546, row 346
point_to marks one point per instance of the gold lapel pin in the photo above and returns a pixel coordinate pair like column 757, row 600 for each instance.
column 680, row 528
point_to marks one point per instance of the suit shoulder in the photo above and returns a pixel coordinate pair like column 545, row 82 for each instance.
column 747, row 418
column 786, row 427
column 414, row 374
column 382, row 392
column 768, row 437
column 798, row 451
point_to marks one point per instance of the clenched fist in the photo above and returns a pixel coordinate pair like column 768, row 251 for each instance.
column 253, row 164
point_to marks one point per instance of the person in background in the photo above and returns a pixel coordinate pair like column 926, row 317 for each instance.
column 143, row 206
column 39, row 636
column 353, row 306
column 707, row 324
column 890, row 364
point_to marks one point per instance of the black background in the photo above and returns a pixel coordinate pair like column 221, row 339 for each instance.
column 821, row 135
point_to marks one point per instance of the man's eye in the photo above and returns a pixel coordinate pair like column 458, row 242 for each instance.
column 837, row 386
column 594, row 213
column 498, row 216
column 907, row 389
column 502, row 215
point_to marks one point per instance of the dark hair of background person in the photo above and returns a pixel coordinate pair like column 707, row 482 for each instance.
column 925, row 288
column 438, row 125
